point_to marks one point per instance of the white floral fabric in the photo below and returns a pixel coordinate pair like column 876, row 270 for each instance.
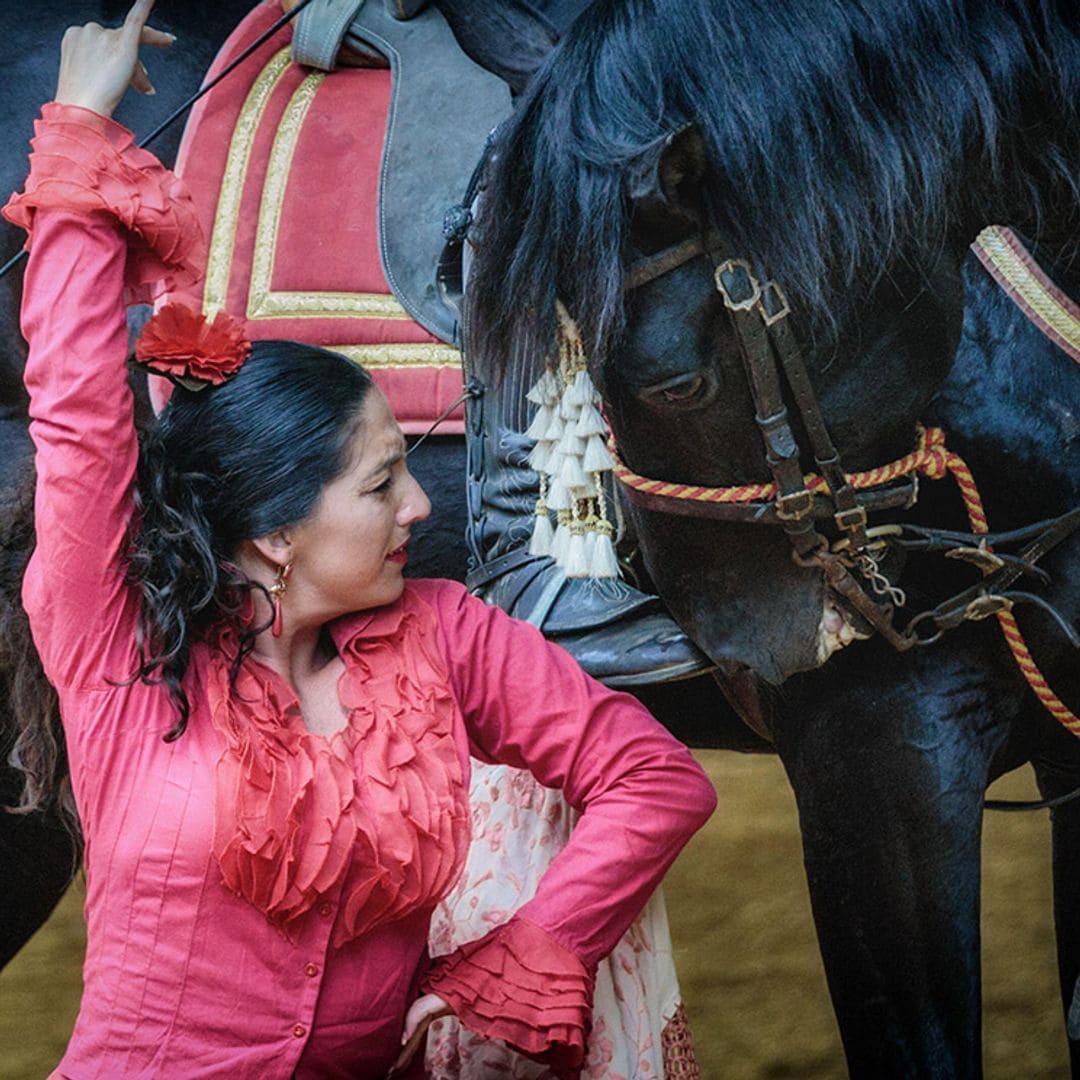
column 518, row 828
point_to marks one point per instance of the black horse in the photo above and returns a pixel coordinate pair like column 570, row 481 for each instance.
column 850, row 152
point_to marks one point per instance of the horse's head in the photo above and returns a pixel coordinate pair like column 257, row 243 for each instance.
column 684, row 407
column 837, row 154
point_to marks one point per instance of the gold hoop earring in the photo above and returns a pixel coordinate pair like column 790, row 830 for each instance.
column 277, row 591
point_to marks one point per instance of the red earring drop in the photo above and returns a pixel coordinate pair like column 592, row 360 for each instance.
column 277, row 591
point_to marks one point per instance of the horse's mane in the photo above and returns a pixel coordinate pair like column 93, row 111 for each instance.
column 835, row 131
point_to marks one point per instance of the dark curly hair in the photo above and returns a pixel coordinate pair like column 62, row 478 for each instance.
column 225, row 464
column 33, row 737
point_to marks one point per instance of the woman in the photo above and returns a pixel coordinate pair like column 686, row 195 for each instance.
column 268, row 729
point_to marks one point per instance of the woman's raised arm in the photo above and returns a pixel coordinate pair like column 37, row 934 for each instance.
column 101, row 217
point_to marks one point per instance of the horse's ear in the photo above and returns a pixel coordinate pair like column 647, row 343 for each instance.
column 670, row 171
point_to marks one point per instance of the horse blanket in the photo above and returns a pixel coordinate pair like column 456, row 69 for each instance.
column 283, row 164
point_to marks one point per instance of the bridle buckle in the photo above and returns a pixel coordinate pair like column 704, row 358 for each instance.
column 779, row 299
column 737, row 285
column 851, row 520
column 795, row 505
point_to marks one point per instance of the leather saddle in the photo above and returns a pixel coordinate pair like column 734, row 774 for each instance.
column 443, row 106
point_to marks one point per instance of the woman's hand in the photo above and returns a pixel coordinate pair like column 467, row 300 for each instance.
column 97, row 65
column 418, row 1019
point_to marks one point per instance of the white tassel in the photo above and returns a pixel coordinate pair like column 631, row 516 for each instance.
column 539, row 424
column 568, row 407
column 603, row 562
column 596, row 458
column 540, row 455
column 550, row 387
column 558, row 497
column 590, row 422
column 570, row 444
column 542, row 534
column 572, row 475
column 545, row 391
column 555, row 428
column 554, row 462
column 559, row 543
column 575, row 564
column 584, row 393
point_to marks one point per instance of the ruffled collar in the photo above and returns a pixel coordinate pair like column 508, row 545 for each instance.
column 379, row 810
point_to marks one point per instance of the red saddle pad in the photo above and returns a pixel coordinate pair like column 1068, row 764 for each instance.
column 283, row 164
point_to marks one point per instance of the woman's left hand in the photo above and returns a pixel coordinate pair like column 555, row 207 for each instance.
column 98, row 64
column 419, row 1018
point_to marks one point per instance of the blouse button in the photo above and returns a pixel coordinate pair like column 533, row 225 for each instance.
column 310, row 970
column 299, row 1031
column 325, row 908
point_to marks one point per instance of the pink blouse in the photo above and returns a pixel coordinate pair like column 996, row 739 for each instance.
column 205, row 958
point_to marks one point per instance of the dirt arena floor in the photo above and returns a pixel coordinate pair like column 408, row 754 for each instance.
column 748, row 962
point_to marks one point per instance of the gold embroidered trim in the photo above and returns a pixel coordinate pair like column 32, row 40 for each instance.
column 263, row 303
column 227, row 215
column 419, row 355
column 995, row 246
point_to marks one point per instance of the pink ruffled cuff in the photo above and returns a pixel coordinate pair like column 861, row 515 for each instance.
column 83, row 162
column 520, row 985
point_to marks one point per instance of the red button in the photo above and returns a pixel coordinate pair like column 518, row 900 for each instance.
column 325, row 908
column 310, row 970
column 299, row 1031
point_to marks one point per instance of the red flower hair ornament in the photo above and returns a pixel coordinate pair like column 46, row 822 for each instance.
column 191, row 350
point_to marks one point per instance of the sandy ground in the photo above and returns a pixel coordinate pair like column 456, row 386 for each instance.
column 748, row 962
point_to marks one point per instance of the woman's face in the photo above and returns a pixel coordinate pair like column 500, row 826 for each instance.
column 350, row 553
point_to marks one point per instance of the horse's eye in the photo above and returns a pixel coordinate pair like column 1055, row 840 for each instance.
column 686, row 390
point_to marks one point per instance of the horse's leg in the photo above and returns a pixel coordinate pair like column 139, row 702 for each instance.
column 37, row 860
column 889, row 773
column 1057, row 770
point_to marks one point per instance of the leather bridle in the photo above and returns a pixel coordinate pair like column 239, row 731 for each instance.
column 771, row 358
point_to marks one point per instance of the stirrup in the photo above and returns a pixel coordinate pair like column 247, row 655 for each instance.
column 618, row 634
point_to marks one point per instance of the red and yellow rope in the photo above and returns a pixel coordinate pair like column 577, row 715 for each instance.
column 930, row 458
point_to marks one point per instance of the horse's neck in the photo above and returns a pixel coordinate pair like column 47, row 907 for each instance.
column 1010, row 404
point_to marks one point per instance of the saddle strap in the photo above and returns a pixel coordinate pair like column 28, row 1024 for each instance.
column 320, row 30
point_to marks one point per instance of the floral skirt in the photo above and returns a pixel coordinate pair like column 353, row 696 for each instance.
column 639, row 1029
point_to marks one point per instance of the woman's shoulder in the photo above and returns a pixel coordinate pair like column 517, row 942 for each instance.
column 438, row 591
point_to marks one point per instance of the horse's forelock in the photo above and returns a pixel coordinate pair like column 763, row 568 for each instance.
column 833, row 130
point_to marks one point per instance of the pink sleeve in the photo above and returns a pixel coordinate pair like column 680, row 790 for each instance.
column 88, row 194
column 528, row 704
column 88, row 164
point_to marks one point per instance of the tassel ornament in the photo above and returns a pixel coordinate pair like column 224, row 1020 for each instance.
column 570, row 455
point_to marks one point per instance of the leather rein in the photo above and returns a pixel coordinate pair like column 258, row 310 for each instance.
column 771, row 357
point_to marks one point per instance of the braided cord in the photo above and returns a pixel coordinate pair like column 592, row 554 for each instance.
column 1009, row 626
column 930, row 458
